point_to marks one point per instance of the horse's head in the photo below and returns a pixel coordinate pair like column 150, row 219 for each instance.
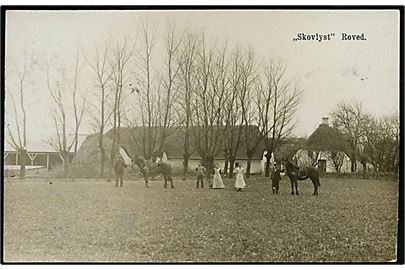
column 284, row 162
column 289, row 165
column 163, row 167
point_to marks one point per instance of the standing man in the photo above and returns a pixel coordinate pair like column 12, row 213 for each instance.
column 200, row 175
column 275, row 179
column 119, row 171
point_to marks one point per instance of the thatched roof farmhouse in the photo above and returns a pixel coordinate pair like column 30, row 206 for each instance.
column 132, row 139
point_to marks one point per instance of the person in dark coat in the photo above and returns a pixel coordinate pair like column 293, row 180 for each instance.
column 275, row 179
column 119, row 171
column 200, row 175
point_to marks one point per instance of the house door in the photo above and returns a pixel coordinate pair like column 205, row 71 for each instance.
column 322, row 165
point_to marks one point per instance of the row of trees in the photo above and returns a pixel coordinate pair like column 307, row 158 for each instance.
column 365, row 138
column 210, row 90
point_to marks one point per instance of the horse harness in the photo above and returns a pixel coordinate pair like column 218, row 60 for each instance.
column 300, row 172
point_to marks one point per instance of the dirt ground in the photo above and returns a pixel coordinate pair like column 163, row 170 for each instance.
column 352, row 220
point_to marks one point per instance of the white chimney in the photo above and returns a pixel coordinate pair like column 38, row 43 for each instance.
column 325, row 121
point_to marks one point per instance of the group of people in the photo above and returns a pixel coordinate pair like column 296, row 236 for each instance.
column 240, row 183
column 217, row 179
column 201, row 171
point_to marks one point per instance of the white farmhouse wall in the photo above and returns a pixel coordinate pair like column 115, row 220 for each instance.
column 304, row 160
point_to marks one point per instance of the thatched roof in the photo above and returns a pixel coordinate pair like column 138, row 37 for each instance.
column 289, row 148
column 134, row 139
column 325, row 138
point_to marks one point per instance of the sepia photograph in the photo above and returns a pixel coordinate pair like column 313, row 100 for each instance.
column 201, row 135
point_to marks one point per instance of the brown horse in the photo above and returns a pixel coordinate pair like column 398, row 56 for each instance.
column 149, row 168
column 296, row 173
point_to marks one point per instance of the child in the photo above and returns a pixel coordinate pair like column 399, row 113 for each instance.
column 200, row 175
column 275, row 179
column 239, row 182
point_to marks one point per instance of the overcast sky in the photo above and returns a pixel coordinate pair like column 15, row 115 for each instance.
column 367, row 71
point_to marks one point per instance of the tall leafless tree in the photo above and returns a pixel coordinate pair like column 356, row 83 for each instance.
column 61, row 85
column 121, row 56
column 147, row 89
column 233, row 111
column 208, row 112
column 78, row 108
column 277, row 100
column 187, row 71
column 103, row 73
column 60, row 143
column 381, row 143
column 18, row 139
column 251, row 134
column 170, row 113
column 350, row 119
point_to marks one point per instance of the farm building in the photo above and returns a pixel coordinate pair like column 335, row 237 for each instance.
column 324, row 149
column 39, row 155
column 133, row 142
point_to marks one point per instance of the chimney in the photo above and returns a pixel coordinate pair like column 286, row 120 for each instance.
column 325, row 121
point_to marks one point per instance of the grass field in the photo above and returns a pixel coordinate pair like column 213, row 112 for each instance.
column 91, row 220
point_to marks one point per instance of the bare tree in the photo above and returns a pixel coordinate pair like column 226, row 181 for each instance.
column 248, row 78
column 277, row 100
column 187, row 70
column 239, row 75
column 61, row 85
column 350, row 120
column 100, row 118
column 18, row 140
column 121, row 55
column 208, row 113
column 59, row 113
column 147, row 94
column 337, row 158
column 395, row 127
column 170, row 116
column 381, row 144
column 78, row 109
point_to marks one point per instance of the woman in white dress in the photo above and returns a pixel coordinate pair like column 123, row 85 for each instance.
column 217, row 180
column 239, row 182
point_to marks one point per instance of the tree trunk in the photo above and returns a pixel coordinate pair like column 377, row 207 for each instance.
column 231, row 166
column 268, row 157
column 248, row 167
column 102, row 151
column 110, row 166
column 162, row 141
column 185, row 165
column 208, row 163
column 338, row 167
column 364, row 169
column 114, row 152
column 65, row 164
column 23, row 155
column 186, row 155
column 394, row 162
column 226, row 166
